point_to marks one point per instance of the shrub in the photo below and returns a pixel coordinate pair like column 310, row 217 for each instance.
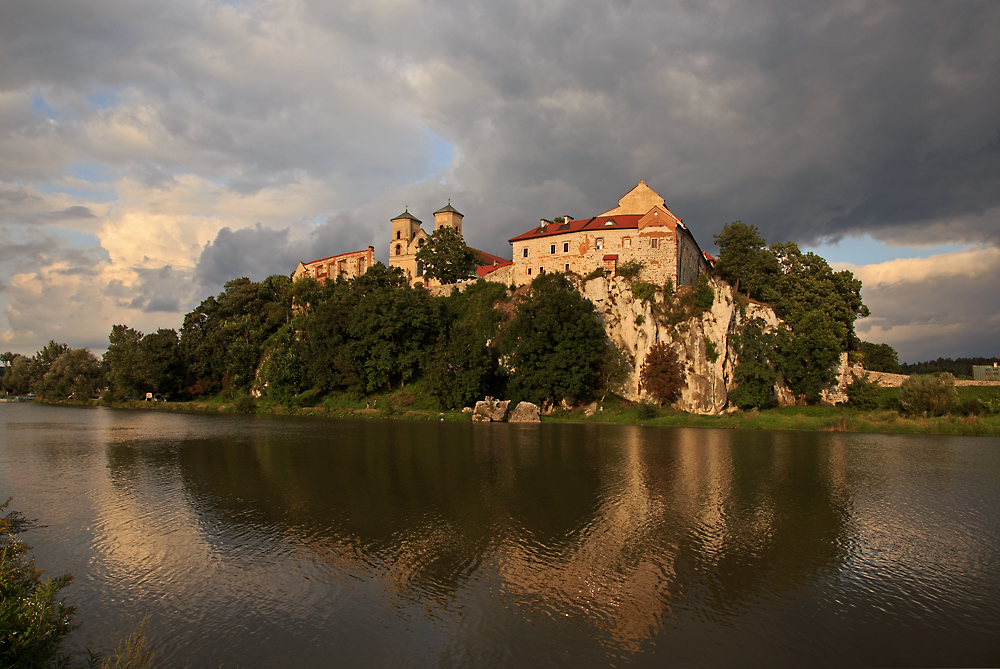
column 245, row 404
column 662, row 375
column 643, row 291
column 639, row 320
column 646, row 411
column 704, row 296
column 629, row 269
column 711, row 352
column 668, row 287
column 32, row 623
column 932, row 395
column 596, row 273
column 863, row 393
column 973, row 407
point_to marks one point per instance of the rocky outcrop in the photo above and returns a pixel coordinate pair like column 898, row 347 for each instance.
column 701, row 343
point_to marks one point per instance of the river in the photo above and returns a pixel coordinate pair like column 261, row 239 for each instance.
column 298, row 542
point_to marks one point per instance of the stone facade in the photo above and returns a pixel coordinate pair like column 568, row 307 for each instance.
column 345, row 265
column 640, row 229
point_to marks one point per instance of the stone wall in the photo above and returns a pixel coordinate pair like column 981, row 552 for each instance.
column 345, row 265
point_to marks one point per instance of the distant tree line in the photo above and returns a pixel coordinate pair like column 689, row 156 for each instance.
column 961, row 367
column 56, row 372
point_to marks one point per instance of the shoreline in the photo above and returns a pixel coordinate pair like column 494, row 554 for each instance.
column 808, row 418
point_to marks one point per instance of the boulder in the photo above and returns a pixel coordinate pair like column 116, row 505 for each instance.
column 490, row 411
column 525, row 412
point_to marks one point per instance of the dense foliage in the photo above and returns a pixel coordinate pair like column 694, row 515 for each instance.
column 759, row 359
column 554, row 345
column 817, row 305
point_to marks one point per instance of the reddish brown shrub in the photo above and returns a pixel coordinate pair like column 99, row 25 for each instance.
column 662, row 375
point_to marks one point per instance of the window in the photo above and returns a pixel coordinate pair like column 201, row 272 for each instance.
column 420, row 242
column 399, row 249
column 525, row 251
column 552, row 248
column 565, row 247
column 627, row 243
column 529, row 271
column 654, row 243
column 398, row 233
column 567, row 267
column 541, row 270
column 600, row 243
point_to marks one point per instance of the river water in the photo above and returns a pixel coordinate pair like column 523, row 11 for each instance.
column 296, row 542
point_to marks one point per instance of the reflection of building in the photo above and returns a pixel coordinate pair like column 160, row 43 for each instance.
column 408, row 237
column 640, row 229
column 345, row 265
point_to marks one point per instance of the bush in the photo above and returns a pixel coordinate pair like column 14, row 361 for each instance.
column 646, row 411
column 596, row 273
column 930, row 395
column 668, row 287
column 662, row 375
column 630, row 269
column 863, row 393
column 704, row 296
column 711, row 352
column 643, row 291
column 245, row 404
column 973, row 407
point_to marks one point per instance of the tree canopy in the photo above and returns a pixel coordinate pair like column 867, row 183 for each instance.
column 446, row 257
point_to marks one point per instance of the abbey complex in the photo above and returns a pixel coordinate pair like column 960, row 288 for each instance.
column 639, row 229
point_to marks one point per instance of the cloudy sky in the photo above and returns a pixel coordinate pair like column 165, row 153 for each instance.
column 149, row 151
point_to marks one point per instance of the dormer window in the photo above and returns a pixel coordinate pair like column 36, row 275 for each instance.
column 610, row 221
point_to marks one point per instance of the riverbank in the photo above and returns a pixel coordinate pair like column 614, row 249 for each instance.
column 413, row 405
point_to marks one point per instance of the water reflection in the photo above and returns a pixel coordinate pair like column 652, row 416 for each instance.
column 606, row 524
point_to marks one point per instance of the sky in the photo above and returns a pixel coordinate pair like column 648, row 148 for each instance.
column 150, row 151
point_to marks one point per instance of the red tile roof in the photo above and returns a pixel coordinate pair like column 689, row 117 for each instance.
column 489, row 262
column 593, row 224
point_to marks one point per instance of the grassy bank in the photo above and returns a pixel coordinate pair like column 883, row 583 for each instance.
column 411, row 403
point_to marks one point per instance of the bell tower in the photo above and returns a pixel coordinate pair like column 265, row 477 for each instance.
column 448, row 217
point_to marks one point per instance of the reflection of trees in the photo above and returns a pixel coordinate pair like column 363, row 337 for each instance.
column 614, row 527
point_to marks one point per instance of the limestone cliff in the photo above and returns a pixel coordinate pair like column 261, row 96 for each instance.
column 635, row 325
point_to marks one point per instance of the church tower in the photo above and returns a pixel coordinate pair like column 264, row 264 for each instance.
column 448, row 217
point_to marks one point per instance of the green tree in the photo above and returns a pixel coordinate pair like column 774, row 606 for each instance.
column 17, row 381
column 74, row 373
column 758, row 358
column 704, row 296
column 446, row 257
column 42, row 361
column 161, row 364
column 553, row 346
column 811, row 351
column 391, row 331
column 123, row 363
column 879, row 357
column 744, row 260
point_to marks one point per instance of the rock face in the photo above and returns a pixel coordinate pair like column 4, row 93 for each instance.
column 487, row 411
column 525, row 412
column 632, row 325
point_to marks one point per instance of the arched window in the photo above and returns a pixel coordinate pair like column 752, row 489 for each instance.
column 420, row 242
column 399, row 249
column 398, row 234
